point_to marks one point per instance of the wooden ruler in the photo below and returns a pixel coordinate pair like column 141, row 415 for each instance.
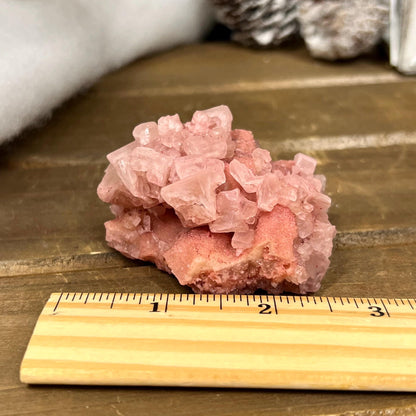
column 224, row 341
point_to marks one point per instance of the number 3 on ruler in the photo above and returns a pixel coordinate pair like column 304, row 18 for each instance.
column 376, row 311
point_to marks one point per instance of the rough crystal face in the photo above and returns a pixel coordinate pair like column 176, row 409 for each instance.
column 204, row 202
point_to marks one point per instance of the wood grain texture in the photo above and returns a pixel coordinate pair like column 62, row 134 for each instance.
column 348, row 275
column 364, row 184
column 256, row 341
column 357, row 118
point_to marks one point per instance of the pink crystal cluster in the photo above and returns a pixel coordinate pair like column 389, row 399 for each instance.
column 205, row 202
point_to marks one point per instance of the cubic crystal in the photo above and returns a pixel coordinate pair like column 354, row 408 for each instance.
column 205, row 203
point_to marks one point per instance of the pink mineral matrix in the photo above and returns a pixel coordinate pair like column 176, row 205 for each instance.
column 204, row 202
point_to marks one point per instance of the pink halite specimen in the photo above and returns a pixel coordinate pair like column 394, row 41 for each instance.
column 203, row 202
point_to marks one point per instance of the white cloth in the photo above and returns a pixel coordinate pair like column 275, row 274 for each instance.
column 51, row 49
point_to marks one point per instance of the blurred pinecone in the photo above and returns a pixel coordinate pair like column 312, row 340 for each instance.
column 339, row 29
column 258, row 23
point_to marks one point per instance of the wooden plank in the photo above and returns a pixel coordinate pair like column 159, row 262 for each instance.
column 92, row 125
column 376, row 271
column 229, row 68
column 52, row 220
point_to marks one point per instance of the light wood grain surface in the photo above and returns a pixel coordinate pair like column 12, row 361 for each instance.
column 358, row 120
column 257, row 341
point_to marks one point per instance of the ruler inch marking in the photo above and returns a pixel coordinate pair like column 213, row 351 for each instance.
column 385, row 308
column 275, row 306
column 374, row 353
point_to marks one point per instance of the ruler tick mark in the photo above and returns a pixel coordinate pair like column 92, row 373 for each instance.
column 387, row 312
column 220, row 302
column 355, row 303
column 275, row 306
column 57, row 303
column 112, row 302
column 93, row 296
column 329, row 304
column 73, row 297
column 86, row 298
column 408, row 300
column 67, row 295
column 166, row 304
column 101, row 296
column 140, row 300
